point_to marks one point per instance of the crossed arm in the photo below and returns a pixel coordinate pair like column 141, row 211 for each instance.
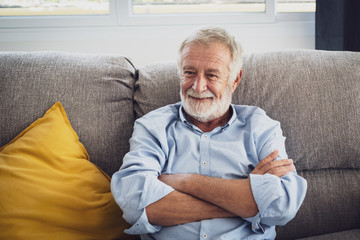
column 197, row 197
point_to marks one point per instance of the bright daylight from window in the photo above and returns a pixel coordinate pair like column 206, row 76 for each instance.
column 217, row 6
column 146, row 7
column 53, row 7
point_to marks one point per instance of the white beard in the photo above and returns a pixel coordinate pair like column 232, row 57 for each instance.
column 209, row 109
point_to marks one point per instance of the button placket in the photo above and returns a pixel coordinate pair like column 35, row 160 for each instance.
column 205, row 229
column 204, row 154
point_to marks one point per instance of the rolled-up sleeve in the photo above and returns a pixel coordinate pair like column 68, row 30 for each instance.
column 278, row 199
column 136, row 184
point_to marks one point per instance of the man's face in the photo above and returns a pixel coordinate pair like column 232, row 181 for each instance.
column 205, row 87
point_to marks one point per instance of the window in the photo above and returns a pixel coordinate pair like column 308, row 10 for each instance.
column 213, row 6
column 197, row 6
column 53, row 8
column 55, row 13
column 295, row 6
column 154, row 12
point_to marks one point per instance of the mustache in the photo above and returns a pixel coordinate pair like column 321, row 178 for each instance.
column 206, row 94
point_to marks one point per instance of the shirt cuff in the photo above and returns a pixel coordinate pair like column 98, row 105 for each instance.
column 265, row 189
column 256, row 226
column 142, row 226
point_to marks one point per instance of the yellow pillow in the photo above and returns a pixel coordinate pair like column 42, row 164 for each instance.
column 50, row 190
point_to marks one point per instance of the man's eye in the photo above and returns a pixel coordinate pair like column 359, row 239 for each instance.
column 189, row 73
column 212, row 76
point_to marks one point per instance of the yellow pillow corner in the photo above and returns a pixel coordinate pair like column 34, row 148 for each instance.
column 50, row 189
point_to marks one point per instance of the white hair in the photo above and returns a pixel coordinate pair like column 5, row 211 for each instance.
column 208, row 35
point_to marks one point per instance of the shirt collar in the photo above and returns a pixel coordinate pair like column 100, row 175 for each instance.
column 182, row 116
column 232, row 119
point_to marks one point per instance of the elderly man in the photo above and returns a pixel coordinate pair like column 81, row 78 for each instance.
column 205, row 168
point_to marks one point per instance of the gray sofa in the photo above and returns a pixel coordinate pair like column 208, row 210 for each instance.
column 314, row 94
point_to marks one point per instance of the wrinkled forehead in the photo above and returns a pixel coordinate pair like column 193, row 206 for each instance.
column 205, row 43
column 214, row 55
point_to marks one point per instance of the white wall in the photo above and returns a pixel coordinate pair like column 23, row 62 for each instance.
column 147, row 44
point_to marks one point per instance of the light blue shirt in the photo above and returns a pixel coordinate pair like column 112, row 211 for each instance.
column 164, row 141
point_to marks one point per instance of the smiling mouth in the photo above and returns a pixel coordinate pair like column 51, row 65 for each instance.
column 200, row 99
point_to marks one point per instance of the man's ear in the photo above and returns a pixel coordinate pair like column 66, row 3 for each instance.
column 236, row 83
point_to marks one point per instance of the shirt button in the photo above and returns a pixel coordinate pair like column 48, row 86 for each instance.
column 204, row 163
column 205, row 136
column 204, row 235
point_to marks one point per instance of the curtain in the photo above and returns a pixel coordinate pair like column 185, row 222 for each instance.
column 337, row 25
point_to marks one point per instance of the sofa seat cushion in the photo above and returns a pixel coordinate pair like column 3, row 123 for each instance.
column 50, row 190
column 345, row 235
column 331, row 204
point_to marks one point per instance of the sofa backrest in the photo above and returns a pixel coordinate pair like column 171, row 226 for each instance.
column 96, row 92
column 316, row 97
column 314, row 94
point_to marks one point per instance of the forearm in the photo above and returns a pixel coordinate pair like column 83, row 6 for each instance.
column 179, row 208
column 233, row 195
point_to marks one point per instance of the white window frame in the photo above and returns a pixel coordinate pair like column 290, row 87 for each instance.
column 110, row 19
column 127, row 18
column 121, row 15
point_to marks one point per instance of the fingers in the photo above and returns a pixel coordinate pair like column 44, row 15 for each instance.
column 274, row 165
column 278, row 168
column 263, row 167
column 282, row 170
column 270, row 157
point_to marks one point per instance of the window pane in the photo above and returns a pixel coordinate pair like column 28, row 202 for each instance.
column 53, row 7
column 296, row 5
column 196, row 6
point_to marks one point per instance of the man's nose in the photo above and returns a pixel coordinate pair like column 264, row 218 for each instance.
column 200, row 84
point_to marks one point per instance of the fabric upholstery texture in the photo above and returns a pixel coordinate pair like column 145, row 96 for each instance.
column 158, row 85
column 331, row 205
column 312, row 94
column 49, row 188
column 346, row 235
column 96, row 91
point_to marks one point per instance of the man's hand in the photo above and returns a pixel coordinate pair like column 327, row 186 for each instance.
column 276, row 167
